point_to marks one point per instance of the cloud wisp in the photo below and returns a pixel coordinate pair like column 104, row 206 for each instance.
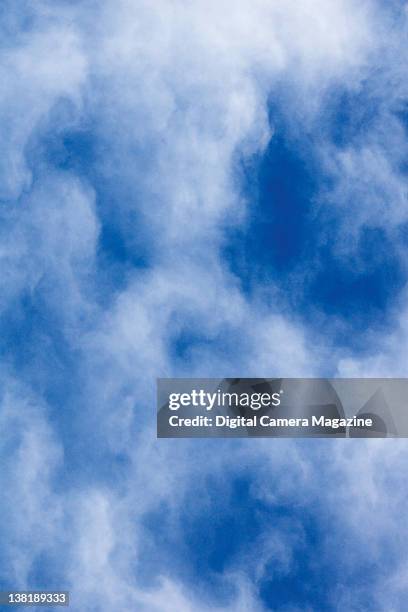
column 124, row 126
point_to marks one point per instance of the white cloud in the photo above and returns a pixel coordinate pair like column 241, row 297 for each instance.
column 43, row 66
column 31, row 456
column 173, row 91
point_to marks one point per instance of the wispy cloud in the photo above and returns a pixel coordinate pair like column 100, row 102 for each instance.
column 132, row 116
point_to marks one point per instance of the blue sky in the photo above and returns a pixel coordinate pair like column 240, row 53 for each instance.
column 202, row 189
